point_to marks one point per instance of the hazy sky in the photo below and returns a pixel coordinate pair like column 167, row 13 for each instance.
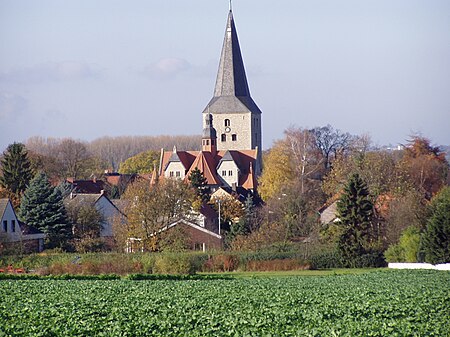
column 87, row 69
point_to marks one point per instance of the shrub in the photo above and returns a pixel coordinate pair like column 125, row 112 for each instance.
column 408, row 247
column 173, row 264
column 327, row 260
column 374, row 259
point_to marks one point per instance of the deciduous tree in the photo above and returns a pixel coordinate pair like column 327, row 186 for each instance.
column 150, row 208
column 143, row 162
column 86, row 222
column 331, row 142
column 425, row 166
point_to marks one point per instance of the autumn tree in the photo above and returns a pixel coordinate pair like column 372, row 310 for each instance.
column 86, row 221
column 425, row 165
column 278, row 171
column 115, row 150
column 305, row 156
column 331, row 142
column 16, row 169
column 404, row 210
column 73, row 156
column 231, row 210
column 150, row 208
column 143, row 162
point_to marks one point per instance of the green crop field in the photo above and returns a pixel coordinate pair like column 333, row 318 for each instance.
column 380, row 303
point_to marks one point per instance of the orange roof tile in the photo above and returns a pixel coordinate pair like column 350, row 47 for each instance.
column 206, row 164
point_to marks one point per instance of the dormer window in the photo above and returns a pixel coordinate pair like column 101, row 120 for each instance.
column 227, row 122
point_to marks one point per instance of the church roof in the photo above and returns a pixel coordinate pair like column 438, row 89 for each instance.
column 231, row 93
column 208, row 164
column 205, row 162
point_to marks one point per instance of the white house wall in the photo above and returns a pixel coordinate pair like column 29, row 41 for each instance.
column 224, row 170
column 177, row 169
column 109, row 212
column 11, row 220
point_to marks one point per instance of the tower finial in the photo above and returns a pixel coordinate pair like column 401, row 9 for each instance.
column 231, row 7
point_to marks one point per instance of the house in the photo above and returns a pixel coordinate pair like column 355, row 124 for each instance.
column 92, row 186
column 103, row 204
column 198, row 236
column 201, row 230
column 16, row 234
column 328, row 213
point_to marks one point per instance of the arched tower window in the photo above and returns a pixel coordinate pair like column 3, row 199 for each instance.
column 223, row 137
column 227, row 122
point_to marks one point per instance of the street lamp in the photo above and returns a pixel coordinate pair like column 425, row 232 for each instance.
column 219, row 201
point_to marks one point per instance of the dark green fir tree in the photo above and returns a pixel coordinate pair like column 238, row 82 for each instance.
column 355, row 212
column 436, row 238
column 42, row 207
column 198, row 181
column 16, row 168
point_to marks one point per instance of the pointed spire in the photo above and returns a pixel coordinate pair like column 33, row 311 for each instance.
column 231, row 79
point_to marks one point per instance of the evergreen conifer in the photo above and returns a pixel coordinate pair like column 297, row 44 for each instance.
column 436, row 238
column 355, row 211
column 198, row 181
column 16, row 169
column 42, row 207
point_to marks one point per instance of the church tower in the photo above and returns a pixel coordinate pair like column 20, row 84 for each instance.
column 237, row 118
column 209, row 137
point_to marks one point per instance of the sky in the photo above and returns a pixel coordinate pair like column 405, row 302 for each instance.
column 87, row 69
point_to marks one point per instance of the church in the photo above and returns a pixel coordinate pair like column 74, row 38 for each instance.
column 230, row 157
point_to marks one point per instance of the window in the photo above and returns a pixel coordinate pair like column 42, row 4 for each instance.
column 234, row 137
column 178, row 174
column 224, row 173
column 230, row 173
column 5, row 225
column 207, row 142
column 227, row 122
column 171, row 174
column 223, row 137
column 13, row 226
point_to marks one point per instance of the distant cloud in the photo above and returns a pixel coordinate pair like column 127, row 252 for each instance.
column 51, row 72
column 11, row 106
column 166, row 68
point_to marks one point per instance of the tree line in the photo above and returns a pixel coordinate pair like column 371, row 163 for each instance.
column 66, row 157
column 387, row 202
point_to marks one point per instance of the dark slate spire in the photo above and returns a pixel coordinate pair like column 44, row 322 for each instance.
column 231, row 79
column 209, row 131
